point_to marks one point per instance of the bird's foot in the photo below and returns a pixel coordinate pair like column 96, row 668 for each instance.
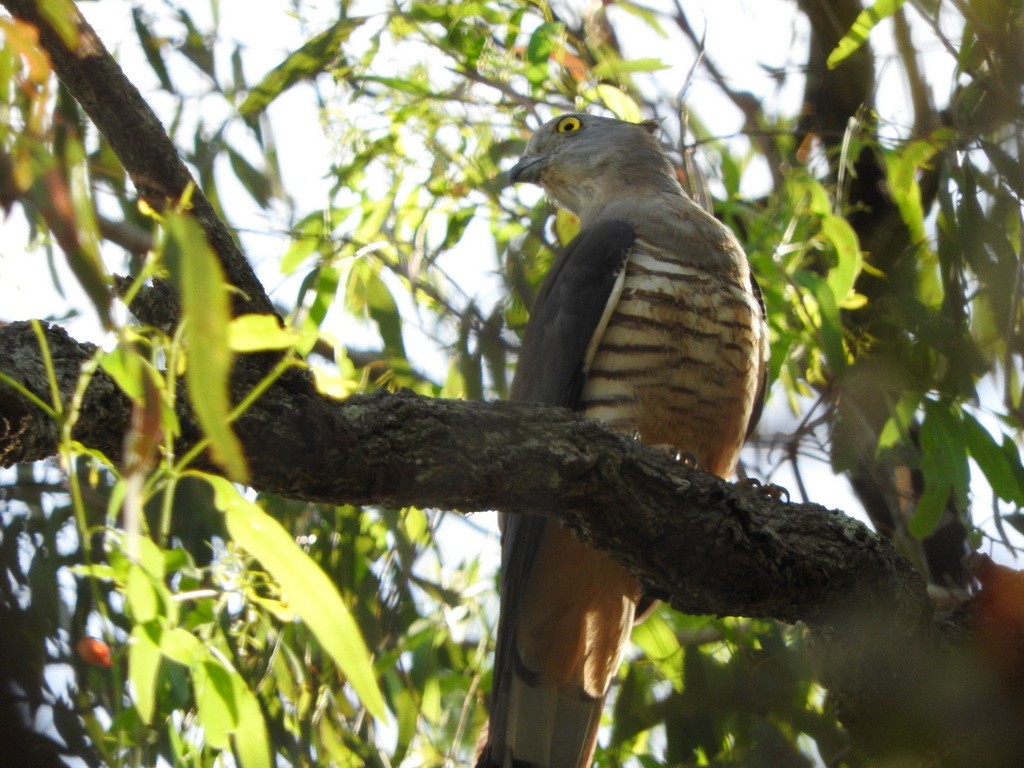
column 771, row 490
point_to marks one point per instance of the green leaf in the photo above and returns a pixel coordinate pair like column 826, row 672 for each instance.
column 621, row 104
column 124, row 366
column 151, row 47
column 181, row 646
column 930, row 506
column 62, row 16
column 539, row 49
column 314, row 57
column 306, row 588
column 992, row 461
column 250, row 737
column 849, row 260
column 897, row 428
column 1009, row 167
column 255, row 333
column 215, row 700
column 610, row 69
column 81, row 244
column 384, row 312
column 143, row 667
column 207, row 313
column 862, row 26
column 144, row 602
column 831, row 326
column 901, row 169
column 255, row 181
column 944, row 465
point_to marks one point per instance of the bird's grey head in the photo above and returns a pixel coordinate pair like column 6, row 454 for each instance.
column 584, row 161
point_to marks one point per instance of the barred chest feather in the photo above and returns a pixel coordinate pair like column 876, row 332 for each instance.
column 676, row 358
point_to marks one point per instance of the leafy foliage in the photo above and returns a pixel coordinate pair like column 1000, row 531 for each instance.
column 280, row 630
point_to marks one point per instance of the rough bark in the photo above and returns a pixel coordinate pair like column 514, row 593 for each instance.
column 705, row 545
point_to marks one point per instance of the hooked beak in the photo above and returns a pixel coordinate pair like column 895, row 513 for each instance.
column 528, row 168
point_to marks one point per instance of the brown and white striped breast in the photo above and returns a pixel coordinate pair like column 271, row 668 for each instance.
column 679, row 360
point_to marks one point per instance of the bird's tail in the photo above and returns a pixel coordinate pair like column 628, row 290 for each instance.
column 542, row 727
column 566, row 614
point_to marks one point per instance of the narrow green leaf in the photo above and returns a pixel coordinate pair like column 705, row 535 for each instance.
column 1009, row 167
column 217, row 708
column 991, row 460
column 618, row 67
column 384, row 312
column 124, row 367
column 862, row 26
column 254, row 333
column 259, row 186
column 250, row 737
column 315, row 56
column 901, row 169
column 930, row 506
column 207, row 312
column 944, row 448
column 306, row 587
column 151, row 47
column 849, row 261
column 143, row 667
column 897, row 428
column 831, row 326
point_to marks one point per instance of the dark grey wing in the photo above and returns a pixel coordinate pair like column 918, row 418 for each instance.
column 567, row 312
column 762, row 387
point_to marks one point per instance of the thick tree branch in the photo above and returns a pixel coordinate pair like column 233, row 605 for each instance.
column 150, row 158
column 696, row 541
column 707, row 545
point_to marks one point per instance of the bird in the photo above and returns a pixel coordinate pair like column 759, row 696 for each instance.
column 651, row 322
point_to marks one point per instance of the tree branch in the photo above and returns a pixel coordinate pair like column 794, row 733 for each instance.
column 709, row 546
column 702, row 544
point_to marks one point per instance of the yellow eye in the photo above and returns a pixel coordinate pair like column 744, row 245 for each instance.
column 568, row 124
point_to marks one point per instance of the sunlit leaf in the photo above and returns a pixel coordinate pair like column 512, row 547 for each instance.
column 312, row 595
column 217, row 707
column 144, row 599
column 902, row 170
column 143, row 667
column 843, row 238
column 62, row 16
column 181, row 646
column 313, row 57
column 207, row 314
column 862, row 26
column 253, row 333
column 250, row 737
column 621, row 104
